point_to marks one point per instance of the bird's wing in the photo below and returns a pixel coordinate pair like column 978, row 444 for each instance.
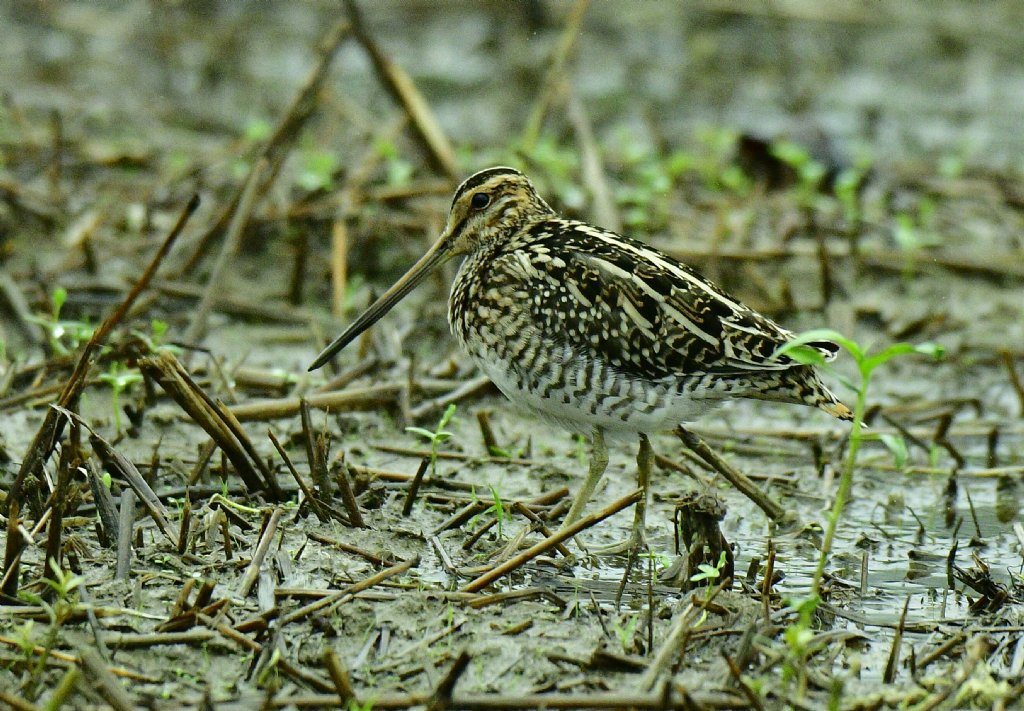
column 642, row 311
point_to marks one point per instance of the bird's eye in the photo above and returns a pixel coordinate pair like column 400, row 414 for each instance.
column 480, row 201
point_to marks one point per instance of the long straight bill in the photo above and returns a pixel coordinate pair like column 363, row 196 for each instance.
column 427, row 263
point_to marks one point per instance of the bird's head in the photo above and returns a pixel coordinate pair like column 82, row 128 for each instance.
column 489, row 205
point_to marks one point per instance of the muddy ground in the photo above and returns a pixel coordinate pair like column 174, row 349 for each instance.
column 259, row 590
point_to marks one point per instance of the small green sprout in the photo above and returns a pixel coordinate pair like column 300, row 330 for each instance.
column 63, row 584
column 625, row 632
column 154, row 340
column 710, row 574
column 58, row 331
column 798, row 350
column 798, row 637
column 436, row 437
column 897, row 446
column 499, row 510
column 809, row 172
column 258, row 129
column 317, row 169
column 399, row 170
column 119, row 379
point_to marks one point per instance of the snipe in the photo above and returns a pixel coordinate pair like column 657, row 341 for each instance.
column 597, row 332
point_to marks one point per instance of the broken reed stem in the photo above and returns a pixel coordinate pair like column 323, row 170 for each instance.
column 1015, row 380
column 117, row 465
column 402, row 88
column 662, row 700
column 339, row 675
column 215, row 284
column 606, row 213
column 258, row 556
column 978, row 649
column 339, row 265
column 217, row 421
column 45, row 438
column 370, row 397
column 893, row 663
column 126, row 530
column 553, row 75
column 314, row 453
column 524, row 510
column 280, row 141
column 103, row 681
column 737, row 676
column 566, row 533
column 348, row 496
column 57, row 502
column 314, row 503
column 669, row 649
column 333, row 600
column 441, row 699
column 414, row 486
column 735, row 477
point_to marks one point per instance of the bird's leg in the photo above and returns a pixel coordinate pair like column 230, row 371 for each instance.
column 644, row 464
column 598, row 463
column 638, row 536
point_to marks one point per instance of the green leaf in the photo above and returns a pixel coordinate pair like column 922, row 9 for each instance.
column 822, row 334
column 932, row 350
column 421, row 432
column 897, row 446
column 447, row 416
column 791, row 153
column 896, row 349
column 59, row 297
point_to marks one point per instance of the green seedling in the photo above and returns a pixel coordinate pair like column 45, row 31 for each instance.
column 913, row 232
column 63, row 336
column 354, row 705
column 258, row 129
column 119, row 379
column 399, row 171
column 436, row 437
column 846, row 188
column 709, row 575
column 63, row 584
column 154, row 340
column 497, row 508
column 897, row 446
column 624, row 633
column 798, row 637
column 317, row 169
column 499, row 511
column 867, row 363
column 809, row 172
column 716, row 163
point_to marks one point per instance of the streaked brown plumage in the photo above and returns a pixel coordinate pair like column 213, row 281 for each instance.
column 593, row 330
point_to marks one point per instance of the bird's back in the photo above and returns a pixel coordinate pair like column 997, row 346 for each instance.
column 591, row 328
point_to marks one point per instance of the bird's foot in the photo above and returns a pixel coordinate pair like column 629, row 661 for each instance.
column 633, row 545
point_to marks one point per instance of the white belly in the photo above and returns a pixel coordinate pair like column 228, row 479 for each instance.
column 597, row 397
